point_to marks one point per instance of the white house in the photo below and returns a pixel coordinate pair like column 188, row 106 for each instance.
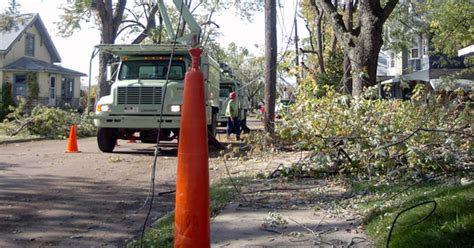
column 419, row 65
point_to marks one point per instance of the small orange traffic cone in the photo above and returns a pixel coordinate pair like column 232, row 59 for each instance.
column 72, row 142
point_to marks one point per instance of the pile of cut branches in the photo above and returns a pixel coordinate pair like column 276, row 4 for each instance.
column 45, row 121
column 386, row 139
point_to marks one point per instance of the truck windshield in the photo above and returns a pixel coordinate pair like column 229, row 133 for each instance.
column 152, row 69
column 224, row 91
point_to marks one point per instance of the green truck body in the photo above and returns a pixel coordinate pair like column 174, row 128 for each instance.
column 141, row 92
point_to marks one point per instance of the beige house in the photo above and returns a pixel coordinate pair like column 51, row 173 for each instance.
column 27, row 53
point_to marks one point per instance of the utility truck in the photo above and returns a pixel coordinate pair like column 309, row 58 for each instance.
column 148, row 88
column 228, row 85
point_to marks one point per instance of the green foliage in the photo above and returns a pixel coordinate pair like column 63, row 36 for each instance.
column 46, row 122
column 33, row 85
column 161, row 235
column 449, row 226
column 448, row 23
column 452, row 25
column 11, row 17
column 6, row 99
column 378, row 138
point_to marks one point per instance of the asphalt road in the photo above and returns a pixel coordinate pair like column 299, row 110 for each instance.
column 86, row 199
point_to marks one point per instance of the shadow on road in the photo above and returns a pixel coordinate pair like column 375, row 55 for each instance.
column 73, row 211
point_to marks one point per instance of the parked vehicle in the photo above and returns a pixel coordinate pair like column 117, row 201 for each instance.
column 148, row 88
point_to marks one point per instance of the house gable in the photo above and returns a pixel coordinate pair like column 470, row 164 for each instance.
column 13, row 44
column 28, row 50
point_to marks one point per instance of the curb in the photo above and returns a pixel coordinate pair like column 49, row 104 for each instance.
column 20, row 140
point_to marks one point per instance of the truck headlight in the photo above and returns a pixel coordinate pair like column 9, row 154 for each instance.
column 103, row 108
column 175, row 108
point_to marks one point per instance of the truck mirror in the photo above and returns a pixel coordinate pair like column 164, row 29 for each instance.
column 205, row 71
column 108, row 76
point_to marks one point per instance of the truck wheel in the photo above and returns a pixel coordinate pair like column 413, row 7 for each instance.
column 213, row 127
column 106, row 139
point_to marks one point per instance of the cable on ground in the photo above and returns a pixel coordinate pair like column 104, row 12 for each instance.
column 392, row 227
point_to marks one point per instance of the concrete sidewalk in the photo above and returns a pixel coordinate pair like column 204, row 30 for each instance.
column 241, row 225
column 273, row 212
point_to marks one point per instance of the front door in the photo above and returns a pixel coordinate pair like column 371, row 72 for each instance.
column 52, row 91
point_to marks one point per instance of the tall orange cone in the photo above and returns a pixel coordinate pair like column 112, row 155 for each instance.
column 72, row 142
column 192, row 220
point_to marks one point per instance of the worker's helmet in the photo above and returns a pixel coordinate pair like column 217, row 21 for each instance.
column 232, row 95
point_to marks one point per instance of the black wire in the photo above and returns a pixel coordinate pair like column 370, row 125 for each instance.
column 416, row 223
column 157, row 151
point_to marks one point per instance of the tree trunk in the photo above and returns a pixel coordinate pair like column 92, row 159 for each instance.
column 347, row 75
column 297, row 52
column 110, row 21
column 334, row 38
column 361, row 44
column 364, row 53
column 319, row 37
column 270, row 65
column 150, row 26
column 104, row 84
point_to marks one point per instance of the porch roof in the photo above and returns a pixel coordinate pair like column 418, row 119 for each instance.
column 26, row 64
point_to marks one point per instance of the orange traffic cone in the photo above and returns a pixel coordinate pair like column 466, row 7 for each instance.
column 72, row 142
column 192, row 221
column 131, row 141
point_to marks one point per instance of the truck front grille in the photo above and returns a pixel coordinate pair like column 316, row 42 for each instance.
column 139, row 95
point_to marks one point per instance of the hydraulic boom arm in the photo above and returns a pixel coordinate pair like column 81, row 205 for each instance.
column 193, row 38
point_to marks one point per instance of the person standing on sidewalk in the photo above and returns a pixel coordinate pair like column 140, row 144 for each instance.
column 232, row 114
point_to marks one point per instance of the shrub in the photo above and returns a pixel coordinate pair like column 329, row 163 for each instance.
column 6, row 99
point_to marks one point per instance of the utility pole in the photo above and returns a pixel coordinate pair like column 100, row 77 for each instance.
column 297, row 58
column 270, row 65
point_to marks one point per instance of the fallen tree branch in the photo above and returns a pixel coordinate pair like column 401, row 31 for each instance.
column 305, row 227
column 278, row 189
column 23, row 124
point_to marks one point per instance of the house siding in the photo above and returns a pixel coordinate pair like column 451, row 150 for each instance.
column 43, row 81
column 44, row 86
column 18, row 49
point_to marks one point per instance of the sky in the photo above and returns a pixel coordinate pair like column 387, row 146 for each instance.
column 76, row 50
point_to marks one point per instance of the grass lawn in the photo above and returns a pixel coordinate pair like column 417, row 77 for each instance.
column 161, row 235
column 450, row 225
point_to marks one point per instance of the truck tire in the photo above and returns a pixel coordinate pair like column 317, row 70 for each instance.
column 106, row 139
column 213, row 127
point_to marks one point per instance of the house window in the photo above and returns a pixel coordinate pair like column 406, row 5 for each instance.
column 52, row 87
column 30, row 45
column 20, row 86
column 392, row 60
column 67, row 87
column 415, row 53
